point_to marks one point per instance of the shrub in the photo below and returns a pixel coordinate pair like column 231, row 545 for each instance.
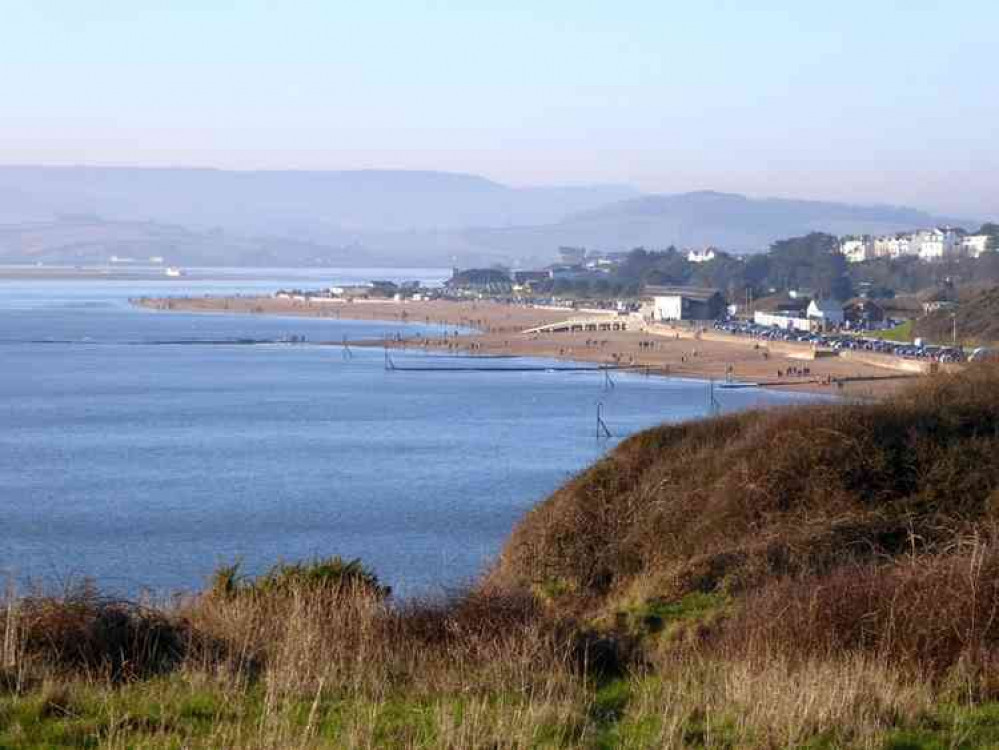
column 85, row 632
column 927, row 614
column 327, row 573
column 733, row 502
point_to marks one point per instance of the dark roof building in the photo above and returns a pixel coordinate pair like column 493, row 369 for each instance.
column 685, row 302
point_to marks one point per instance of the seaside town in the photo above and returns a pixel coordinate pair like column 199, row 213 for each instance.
column 912, row 297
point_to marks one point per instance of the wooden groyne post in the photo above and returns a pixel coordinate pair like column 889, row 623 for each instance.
column 602, row 430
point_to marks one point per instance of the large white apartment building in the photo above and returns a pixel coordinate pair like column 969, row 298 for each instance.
column 857, row 250
column 929, row 244
column 936, row 244
column 893, row 246
column 976, row 244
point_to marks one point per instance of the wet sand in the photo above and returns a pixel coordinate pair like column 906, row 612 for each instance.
column 680, row 352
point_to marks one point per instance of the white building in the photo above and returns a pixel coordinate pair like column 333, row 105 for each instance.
column 936, row 244
column 701, row 256
column 894, row 246
column 928, row 244
column 784, row 321
column 975, row 244
column 857, row 251
column 825, row 313
column 685, row 303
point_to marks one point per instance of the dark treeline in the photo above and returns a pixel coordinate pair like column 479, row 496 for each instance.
column 811, row 262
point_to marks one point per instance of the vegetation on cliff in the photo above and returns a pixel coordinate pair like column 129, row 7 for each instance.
column 975, row 319
column 822, row 576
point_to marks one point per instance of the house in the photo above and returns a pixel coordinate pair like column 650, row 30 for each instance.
column 936, row 244
column 701, row 256
column 786, row 321
column 526, row 278
column 357, row 291
column 857, row 250
column 895, row 246
column 825, row 313
column 863, row 312
column 685, row 303
column 976, row 244
column 783, row 304
column 479, row 280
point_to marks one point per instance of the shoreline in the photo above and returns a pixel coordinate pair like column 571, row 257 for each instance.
column 500, row 329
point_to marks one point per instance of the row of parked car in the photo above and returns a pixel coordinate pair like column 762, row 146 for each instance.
column 843, row 341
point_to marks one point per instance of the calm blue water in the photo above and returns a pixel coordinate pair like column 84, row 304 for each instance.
column 146, row 465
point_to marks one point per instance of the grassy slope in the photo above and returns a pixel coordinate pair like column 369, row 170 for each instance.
column 901, row 333
column 977, row 321
column 736, row 503
column 822, row 577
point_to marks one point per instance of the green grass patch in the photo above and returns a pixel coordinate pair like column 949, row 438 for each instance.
column 902, row 333
column 163, row 712
column 660, row 615
column 951, row 728
column 172, row 713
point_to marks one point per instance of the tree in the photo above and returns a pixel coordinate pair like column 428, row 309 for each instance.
column 812, row 261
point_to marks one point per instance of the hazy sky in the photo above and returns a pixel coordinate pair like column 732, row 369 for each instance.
column 860, row 100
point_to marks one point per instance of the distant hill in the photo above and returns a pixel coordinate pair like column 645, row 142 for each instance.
column 368, row 217
column 90, row 240
column 83, row 240
column 733, row 222
column 291, row 202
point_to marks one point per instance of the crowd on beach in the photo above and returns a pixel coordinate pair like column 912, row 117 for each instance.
column 795, row 372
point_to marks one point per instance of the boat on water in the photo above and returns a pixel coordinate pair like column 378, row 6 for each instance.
column 174, row 273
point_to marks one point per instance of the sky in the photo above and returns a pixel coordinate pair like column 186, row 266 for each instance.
column 861, row 101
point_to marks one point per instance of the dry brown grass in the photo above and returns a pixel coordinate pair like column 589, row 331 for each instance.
column 83, row 632
column 304, row 662
column 760, row 580
column 772, row 703
column 738, row 500
column 927, row 615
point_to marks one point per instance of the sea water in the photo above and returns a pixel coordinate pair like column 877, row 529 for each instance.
column 133, row 454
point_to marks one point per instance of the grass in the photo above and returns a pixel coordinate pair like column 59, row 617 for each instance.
column 902, row 333
column 975, row 320
column 950, row 728
column 815, row 577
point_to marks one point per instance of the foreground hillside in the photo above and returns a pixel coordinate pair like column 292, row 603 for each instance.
column 821, row 576
column 975, row 319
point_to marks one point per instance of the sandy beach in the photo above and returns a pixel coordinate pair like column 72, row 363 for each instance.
column 501, row 330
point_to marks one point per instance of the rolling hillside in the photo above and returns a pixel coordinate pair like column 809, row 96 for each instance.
column 732, row 222
column 381, row 217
